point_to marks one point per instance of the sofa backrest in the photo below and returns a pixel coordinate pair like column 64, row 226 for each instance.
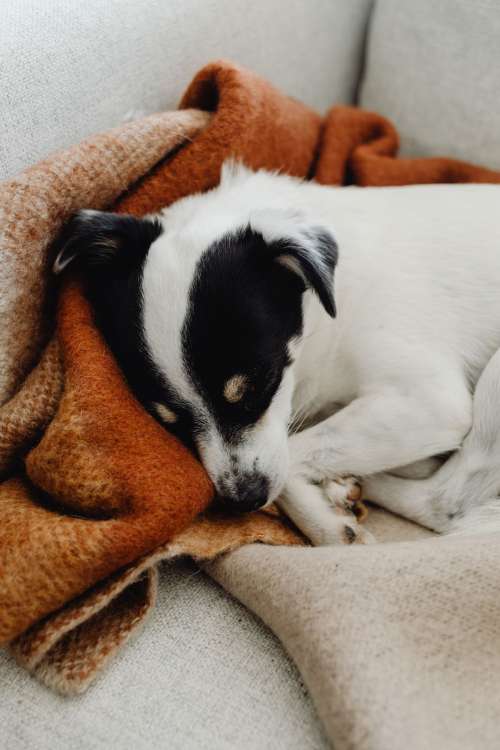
column 70, row 68
column 433, row 68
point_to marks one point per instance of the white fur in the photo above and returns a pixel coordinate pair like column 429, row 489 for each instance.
column 417, row 290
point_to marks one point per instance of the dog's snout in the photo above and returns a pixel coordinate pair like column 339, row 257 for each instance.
column 250, row 494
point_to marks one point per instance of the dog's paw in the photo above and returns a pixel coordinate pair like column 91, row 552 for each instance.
column 341, row 530
column 344, row 493
column 325, row 519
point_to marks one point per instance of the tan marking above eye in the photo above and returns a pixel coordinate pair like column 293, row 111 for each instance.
column 166, row 414
column 235, row 387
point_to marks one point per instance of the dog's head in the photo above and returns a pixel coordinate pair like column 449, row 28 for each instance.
column 202, row 307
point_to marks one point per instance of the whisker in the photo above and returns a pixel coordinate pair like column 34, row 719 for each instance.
column 298, row 419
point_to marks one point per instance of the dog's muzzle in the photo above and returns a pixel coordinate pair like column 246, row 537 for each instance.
column 251, row 493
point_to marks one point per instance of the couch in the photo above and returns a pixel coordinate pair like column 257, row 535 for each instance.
column 205, row 672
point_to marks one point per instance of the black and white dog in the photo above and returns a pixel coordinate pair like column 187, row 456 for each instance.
column 221, row 311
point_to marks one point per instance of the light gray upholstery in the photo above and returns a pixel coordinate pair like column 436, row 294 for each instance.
column 203, row 674
column 433, row 67
column 69, row 68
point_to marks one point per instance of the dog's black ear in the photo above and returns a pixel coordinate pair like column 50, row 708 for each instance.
column 101, row 239
column 312, row 255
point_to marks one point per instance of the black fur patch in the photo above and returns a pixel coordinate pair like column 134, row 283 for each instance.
column 105, row 239
column 111, row 249
column 244, row 309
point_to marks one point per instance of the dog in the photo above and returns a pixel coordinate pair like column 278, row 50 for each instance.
column 302, row 338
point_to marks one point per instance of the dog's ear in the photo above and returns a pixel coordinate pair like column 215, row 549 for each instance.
column 103, row 239
column 304, row 248
column 313, row 259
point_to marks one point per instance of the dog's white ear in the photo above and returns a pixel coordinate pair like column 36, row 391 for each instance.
column 303, row 247
column 99, row 238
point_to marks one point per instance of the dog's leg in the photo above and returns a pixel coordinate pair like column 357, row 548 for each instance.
column 463, row 496
column 414, row 499
column 382, row 431
column 377, row 433
column 469, row 483
column 307, row 505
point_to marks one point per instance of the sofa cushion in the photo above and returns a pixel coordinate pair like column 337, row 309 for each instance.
column 71, row 69
column 432, row 67
column 205, row 673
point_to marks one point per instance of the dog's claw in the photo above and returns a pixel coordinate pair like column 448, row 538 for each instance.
column 360, row 510
column 342, row 533
column 349, row 535
column 357, row 535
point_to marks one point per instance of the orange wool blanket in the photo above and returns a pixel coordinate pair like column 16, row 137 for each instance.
column 94, row 492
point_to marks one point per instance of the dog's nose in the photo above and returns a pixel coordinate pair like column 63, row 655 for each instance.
column 251, row 493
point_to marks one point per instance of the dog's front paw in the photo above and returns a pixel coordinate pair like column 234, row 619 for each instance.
column 321, row 519
column 344, row 493
column 341, row 531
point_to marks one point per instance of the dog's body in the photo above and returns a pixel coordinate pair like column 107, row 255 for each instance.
column 208, row 318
